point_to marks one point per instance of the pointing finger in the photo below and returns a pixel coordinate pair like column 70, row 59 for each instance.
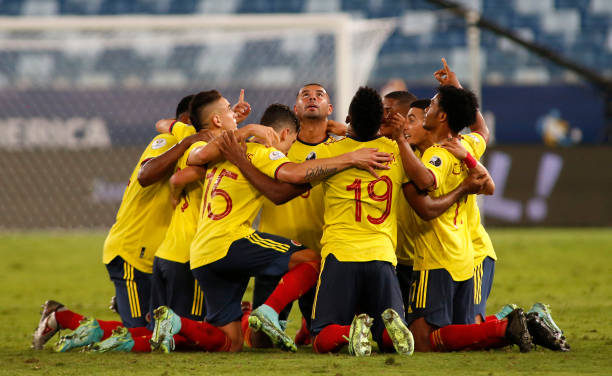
column 446, row 68
column 241, row 98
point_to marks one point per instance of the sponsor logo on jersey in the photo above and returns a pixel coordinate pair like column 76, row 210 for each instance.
column 297, row 244
column 312, row 155
column 436, row 161
column 159, row 143
column 276, row 155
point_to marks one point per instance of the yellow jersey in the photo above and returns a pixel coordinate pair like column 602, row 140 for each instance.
column 143, row 216
column 481, row 241
column 444, row 242
column 181, row 130
column 407, row 227
column 230, row 204
column 300, row 219
column 182, row 228
column 360, row 210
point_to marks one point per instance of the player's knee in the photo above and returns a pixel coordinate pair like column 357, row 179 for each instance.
column 306, row 255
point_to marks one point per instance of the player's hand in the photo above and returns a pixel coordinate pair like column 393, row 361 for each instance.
column 454, row 146
column 475, row 182
column 370, row 159
column 336, row 128
column 175, row 200
column 233, row 149
column 262, row 134
column 242, row 108
column 398, row 123
column 445, row 76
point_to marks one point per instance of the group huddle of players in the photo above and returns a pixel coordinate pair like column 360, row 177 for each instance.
column 376, row 233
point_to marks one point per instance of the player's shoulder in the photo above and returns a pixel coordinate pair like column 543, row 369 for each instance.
column 259, row 151
column 436, row 155
column 162, row 140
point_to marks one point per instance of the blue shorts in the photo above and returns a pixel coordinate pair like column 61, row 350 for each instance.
column 404, row 277
column 441, row 300
column 346, row 289
column 173, row 285
column 483, row 281
column 225, row 280
column 133, row 292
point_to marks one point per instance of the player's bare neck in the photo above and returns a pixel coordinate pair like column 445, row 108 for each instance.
column 313, row 131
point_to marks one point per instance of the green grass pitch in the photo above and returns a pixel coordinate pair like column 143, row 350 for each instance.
column 571, row 269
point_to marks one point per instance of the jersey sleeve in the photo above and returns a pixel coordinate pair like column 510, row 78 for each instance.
column 182, row 162
column 268, row 160
column 181, row 130
column 159, row 145
column 437, row 160
column 477, row 142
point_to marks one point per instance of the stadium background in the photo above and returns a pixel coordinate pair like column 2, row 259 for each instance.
column 78, row 105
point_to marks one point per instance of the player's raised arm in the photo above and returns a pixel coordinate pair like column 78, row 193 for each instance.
column 446, row 76
column 368, row 159
column 242, row 108
column 276, row 191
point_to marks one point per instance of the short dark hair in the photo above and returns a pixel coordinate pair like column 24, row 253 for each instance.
column 197, row 104
column 183, row 105
column 420, row 103
column 366, row 112
column 311, row 84
column 460, row 106
column 279, row 116
column 404, row 97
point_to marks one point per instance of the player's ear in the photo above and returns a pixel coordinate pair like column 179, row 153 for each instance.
column 330, row 109
column 348, row 119
column 284, row 134
column 442, row 116
column 215, row 120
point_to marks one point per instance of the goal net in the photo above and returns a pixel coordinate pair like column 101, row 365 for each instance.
column 80, row 95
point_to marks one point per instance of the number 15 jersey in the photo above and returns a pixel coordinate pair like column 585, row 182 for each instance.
column 360, row 210
column 230, row 204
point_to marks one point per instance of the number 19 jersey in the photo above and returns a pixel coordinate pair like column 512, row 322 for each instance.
column 230, row 204
column 361, row 210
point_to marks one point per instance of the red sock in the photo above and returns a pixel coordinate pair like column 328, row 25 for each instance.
column 108, row 327
column 386, row 342
column 303, row 338
column 294, row 284
column 68, row 319
column 141, row 343
column 204, row 335
column 491, row 318
column 490, row 343
column 244, row 322
column 331, row 339
column 140, row 331
column 462, row 337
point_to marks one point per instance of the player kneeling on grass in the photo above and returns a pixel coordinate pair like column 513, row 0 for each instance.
column 358, row 292
column 226, row 251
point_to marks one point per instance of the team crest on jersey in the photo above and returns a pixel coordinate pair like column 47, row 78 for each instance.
column 312, row 155
column 276, row 155
column 474, row 137
column 436, row 161
column 297, row 244
column 159, row 143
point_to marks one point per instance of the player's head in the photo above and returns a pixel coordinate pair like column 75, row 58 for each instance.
column 414, row 122
column 284, row 122
column 365, row 114
column 451, row 107
column 210, row 110
column 182, row 109
column 396, row 102
column 313, row 103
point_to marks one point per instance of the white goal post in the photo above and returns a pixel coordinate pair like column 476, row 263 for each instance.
column 357, row 41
